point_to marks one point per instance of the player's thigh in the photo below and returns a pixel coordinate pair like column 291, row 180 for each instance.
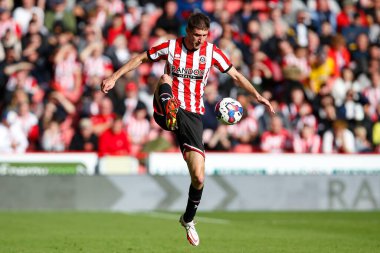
column 196, row 165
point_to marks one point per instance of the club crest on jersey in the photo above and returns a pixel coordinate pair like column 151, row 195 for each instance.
column 202, row 59
column 177, row 56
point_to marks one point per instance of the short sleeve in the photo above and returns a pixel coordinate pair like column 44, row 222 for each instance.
column 159, row 52
column 220, row 60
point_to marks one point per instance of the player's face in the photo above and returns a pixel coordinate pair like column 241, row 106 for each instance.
column 196, row 37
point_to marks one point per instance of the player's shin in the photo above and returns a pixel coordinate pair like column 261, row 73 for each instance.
column 193, row 201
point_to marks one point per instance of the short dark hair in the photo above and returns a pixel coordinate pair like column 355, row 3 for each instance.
column 198, row 21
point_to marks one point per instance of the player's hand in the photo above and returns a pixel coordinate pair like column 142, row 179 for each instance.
column 267, row 104
column 107, row 84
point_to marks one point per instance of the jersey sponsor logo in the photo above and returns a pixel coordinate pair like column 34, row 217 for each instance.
column 187, row 72
column 202, row 59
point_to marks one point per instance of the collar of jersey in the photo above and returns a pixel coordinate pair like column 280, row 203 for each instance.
column 183, row 42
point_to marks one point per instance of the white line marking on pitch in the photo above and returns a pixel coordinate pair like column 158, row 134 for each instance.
column 169, row 216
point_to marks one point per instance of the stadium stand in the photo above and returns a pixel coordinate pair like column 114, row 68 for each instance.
column 317, row 61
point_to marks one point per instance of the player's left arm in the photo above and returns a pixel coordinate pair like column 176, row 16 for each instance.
column 245, row 84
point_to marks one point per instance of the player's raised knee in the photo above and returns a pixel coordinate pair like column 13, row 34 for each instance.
column 165, row 78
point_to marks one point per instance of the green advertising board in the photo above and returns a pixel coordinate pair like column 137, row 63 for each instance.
column 42, row 168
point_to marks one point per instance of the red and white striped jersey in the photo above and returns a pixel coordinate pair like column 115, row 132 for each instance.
column 189, row 69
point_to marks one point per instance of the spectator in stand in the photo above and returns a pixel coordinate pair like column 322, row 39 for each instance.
column 8, row 56
column 296, row 57
column 264, row 119
column 131, row 100
column 307, row 140
column 132, row 17
column 114, row 7
column 322, row 68
column 375, row 132
column 96, row 65
column 352, row 31
column 348, row 15
column 339, row 139
column 168, row 22
column 141, row 38
column 67, row 77
column 373, row 93
column 118, row 52
column 339, row 53
column 90, row 102
column 270, row 47
column 245, row 15
column 326, row 122
column 19, row 77
column 82, row 9
column 277, row 139
column 13, row 139
column 341, row 85
column 36, row 50
column 290, row 9
column 105, row 118
column 19, row 96
column 59, row 13
column 327, row 33
column 61, row 111
column 322, row 13
column 29, row 124
column 117, row 28
column 267, row 26
column 374, row 54
column 291, row 109
column 314, row 44
column 362, row 145
column 7, row 23
column 374, row 28
column 352, row 109
column 91, row 34
column 114, row 141
column 23, row 14
column 301, row 28
column 299, row 111
column 138, row 128
column 10, row 39
column 360, row 54
column 84, row 138
column 146, row 93
column 52, row 139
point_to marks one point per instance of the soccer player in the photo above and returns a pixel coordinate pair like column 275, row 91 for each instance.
column 178, row 102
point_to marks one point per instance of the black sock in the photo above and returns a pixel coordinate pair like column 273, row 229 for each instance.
column 192, row 203
column 165, row 92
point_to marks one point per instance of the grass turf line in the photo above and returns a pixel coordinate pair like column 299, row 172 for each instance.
column 242, row 232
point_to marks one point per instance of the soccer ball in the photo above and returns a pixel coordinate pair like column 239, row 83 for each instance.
column 228, row 111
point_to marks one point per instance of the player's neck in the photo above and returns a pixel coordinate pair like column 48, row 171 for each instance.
column 188, row 45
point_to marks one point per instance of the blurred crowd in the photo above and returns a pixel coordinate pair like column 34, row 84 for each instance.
column 317, row 61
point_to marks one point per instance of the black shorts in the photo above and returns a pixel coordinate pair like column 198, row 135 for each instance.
column 189, row 132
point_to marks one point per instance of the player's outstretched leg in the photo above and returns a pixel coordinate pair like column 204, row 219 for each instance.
column 195, row 163
column 168, row 102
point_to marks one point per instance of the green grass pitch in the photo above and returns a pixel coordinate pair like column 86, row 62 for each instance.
column 220, row 232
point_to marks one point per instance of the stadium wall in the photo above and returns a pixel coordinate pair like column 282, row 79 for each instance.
column 169, row 193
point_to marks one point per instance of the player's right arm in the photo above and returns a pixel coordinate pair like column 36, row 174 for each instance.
column 132, row 64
